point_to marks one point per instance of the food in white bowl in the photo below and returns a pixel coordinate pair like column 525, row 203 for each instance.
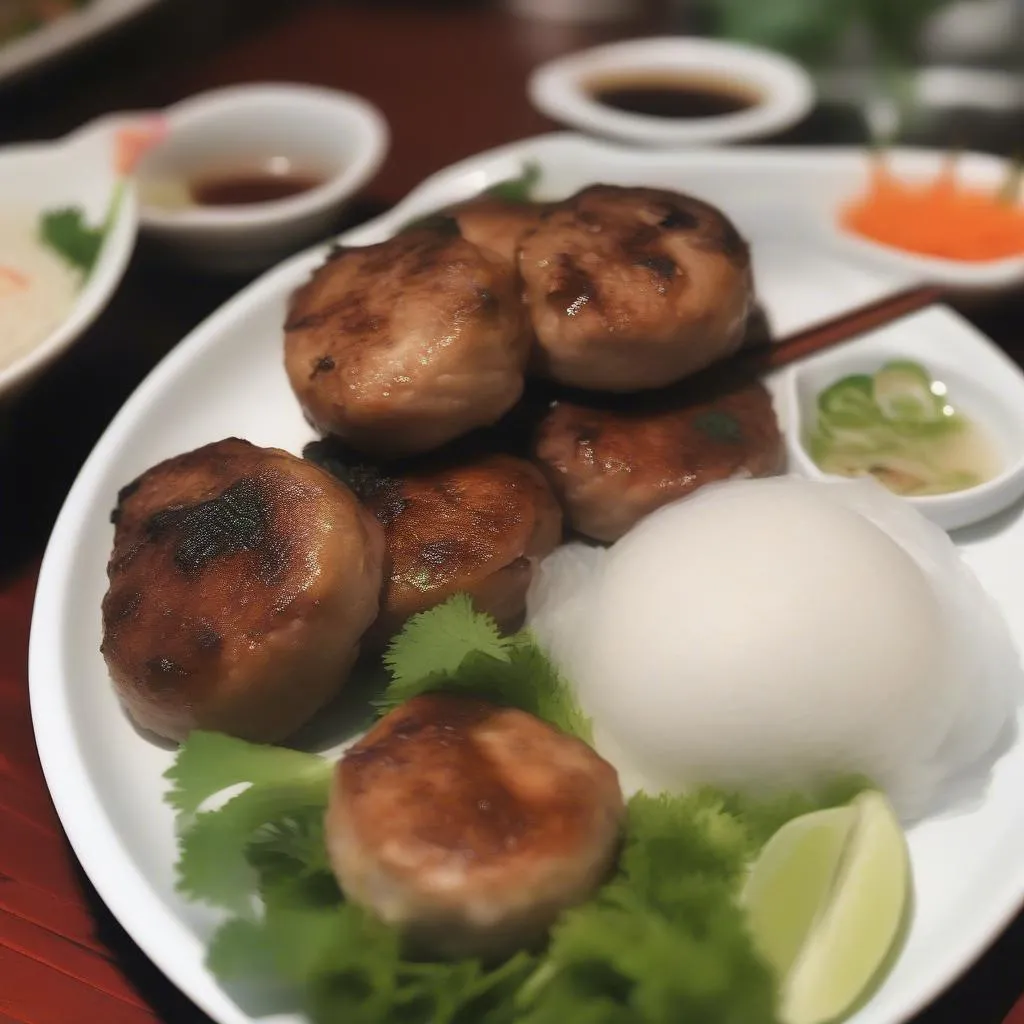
column 674, row 91
column 250, row 173
column 38, row 288
column 776, row 632
column 67, row 228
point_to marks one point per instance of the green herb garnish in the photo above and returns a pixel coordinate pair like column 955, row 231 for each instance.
column 68, row 234
column 663, row 941
column 453, row 647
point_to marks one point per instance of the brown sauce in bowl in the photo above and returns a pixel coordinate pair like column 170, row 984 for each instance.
column 678, row 97
column 244, row 188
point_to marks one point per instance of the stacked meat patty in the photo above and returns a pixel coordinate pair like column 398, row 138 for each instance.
column 491, row 375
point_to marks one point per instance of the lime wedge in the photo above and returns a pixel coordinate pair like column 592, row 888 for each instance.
column 826, row 901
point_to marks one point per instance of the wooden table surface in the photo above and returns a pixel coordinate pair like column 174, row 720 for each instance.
column 450, row 79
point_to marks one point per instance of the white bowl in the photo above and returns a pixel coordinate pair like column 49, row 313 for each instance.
column 560, row 89
column 336, row 136
column 79, row 170
column 983, row 383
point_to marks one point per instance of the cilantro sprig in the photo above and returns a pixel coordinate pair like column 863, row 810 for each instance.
column 67, row 232
column 453, row 647
column 664, row 940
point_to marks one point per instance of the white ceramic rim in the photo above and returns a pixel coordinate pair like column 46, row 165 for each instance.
column 951, row 511
column 106, row 275
column 122, row 886
column 344, row 182
column 558, row 89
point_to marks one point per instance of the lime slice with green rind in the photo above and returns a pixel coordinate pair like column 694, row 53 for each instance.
column 826, row 901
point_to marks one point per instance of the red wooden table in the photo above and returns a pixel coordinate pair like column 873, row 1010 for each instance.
column 450, row 79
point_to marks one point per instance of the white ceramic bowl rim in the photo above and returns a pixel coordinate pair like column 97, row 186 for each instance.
column 786, row 92
column 100, row 285
column 951, row 510
column 357, row 113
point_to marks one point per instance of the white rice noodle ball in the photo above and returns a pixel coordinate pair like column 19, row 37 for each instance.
column 770, row 634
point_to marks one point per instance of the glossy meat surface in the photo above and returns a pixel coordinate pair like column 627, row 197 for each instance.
column 402, row 346
column 478, row 526
column 497, row 224
column 240, row 583
column 632, row 288
column 469, row 826
column 611, row 465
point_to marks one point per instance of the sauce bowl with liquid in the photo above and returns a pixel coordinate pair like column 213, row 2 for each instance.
column 973, row 384
column 247, row 175
column 674, row 91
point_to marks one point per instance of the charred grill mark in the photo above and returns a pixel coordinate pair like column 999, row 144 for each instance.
column 661, row 266
column 678, row 219
column 323, row 365
column 207, row 638
column 122, row 496
column 122, row 606
column 388, row 502
column 573, row 288
column 237, row 520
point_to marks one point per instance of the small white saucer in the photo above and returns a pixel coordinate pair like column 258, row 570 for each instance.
column 561, row 90
column 983, row 383
column 339, row 137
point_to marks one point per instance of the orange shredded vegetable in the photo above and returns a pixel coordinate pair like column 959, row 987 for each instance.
column 12, row 280
column 938, row 218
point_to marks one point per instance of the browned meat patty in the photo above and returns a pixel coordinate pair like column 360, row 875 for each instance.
column 478, row 526
column 497, row 224
column 469, row 826
column 632, row 288
column 610, row 466
column 402, row 346
column 241, row 581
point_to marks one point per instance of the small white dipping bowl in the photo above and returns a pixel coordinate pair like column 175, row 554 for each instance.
column 335, row 137
column 78, row 171
column 985, row 385
column 562, row 89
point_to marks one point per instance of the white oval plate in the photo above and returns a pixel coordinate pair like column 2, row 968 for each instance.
column 106, row 779
column 76, row 171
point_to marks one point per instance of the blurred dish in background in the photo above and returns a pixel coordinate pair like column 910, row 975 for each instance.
column 251, row 173
column 67, row 229
column 674, row 91
column 35, row 31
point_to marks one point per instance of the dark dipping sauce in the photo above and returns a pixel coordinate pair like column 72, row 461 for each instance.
column 673, row 97
column 245, row 188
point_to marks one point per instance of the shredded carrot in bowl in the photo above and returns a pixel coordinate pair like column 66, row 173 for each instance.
column 938, row 218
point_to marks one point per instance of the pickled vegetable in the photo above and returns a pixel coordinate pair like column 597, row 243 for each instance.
column 899, row 426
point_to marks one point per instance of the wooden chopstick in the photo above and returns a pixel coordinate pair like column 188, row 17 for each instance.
column 844, row 327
